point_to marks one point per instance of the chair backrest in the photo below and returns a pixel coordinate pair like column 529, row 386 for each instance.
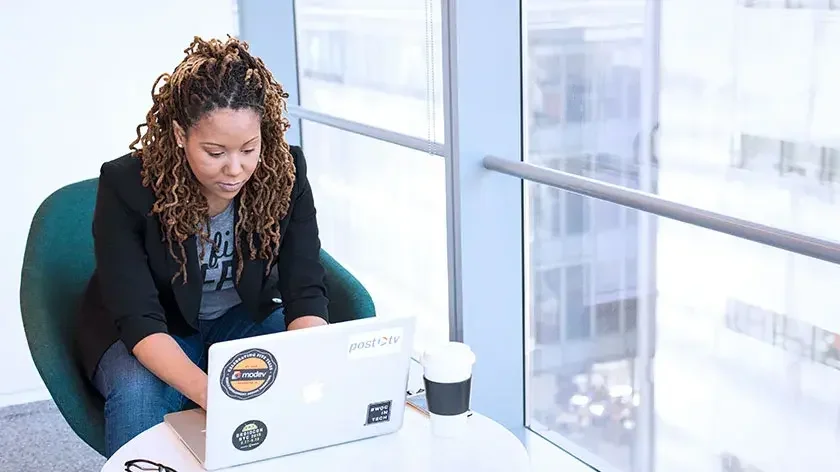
column 57, row 265
column 349, row 300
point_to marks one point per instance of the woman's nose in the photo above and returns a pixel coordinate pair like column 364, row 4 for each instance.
column 234, row 166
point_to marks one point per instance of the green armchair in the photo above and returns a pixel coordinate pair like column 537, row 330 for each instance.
column 56, row 267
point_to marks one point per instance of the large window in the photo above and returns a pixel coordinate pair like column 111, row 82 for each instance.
column 655, row 345
column 377, row 62
column 382, row 214
column 739, row 342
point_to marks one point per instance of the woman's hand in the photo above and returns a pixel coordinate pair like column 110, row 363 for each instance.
column 307, row 321
column 163, row 356
column 202, row 396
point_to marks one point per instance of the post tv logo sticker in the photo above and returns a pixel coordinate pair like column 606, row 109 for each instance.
column 378, row 343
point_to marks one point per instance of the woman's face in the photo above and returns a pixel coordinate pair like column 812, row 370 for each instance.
column 223, row 150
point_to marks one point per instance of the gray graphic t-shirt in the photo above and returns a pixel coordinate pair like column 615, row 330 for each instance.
column 219, row 293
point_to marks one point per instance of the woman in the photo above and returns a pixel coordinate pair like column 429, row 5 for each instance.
column 204, row 233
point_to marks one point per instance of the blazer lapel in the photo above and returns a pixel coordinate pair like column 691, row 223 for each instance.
column 188, row 295
column 250, row 285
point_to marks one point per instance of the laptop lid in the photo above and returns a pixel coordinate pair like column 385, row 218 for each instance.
column 290, row 392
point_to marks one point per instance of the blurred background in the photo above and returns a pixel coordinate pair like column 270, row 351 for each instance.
column 650, row 344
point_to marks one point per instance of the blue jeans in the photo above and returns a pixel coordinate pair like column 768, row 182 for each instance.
column 136, row 399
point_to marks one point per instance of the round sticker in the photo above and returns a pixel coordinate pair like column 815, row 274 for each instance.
column 249, row 374
column 249, row 435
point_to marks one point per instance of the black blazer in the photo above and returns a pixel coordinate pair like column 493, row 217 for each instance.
column 131, row 294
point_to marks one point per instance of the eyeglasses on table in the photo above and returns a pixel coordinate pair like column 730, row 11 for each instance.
column 143, row 465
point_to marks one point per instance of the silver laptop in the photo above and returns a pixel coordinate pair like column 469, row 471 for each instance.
column 284, row 393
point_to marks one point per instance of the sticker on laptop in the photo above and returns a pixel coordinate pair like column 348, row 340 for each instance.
column 378, row 413
column 249, row 435
column 249, row 374
column 377, row 343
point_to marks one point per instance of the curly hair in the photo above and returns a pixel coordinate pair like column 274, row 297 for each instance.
column 216, row 74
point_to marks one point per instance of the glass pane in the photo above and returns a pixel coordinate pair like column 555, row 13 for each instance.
column 727, row 105
column 584, row 68
column 377, row 62
column 382, row 215
column 657, row 346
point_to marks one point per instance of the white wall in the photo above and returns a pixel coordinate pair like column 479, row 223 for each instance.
column 75, row 80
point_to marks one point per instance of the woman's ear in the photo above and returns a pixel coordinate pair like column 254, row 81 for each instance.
column 180, row 135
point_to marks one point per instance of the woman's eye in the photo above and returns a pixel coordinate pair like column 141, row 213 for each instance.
column 215, row 154
column 248, row 151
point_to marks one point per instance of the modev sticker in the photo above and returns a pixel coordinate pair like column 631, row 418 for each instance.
column 249, row 374
column 377, row 343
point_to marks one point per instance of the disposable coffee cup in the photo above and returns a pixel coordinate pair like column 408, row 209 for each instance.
column 447, row 375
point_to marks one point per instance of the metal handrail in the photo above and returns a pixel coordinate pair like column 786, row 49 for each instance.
column 817, row 248
column 374, row 132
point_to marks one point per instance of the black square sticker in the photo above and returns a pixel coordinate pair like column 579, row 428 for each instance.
column 378, row 412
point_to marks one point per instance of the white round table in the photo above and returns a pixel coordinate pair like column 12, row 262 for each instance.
column 487, row 447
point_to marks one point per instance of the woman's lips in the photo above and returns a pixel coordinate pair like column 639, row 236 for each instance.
column 230, row 186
